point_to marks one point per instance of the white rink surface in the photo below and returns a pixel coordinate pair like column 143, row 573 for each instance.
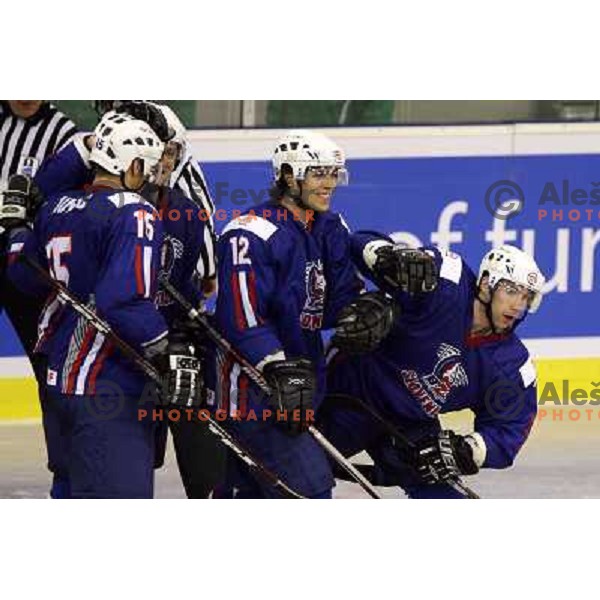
column 560, row 460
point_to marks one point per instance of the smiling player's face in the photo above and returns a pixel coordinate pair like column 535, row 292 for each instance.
column 318, row 187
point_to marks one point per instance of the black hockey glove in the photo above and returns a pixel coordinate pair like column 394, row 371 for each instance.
column 293, row 384
column 444, row 457
column 364, row 323
column 20, row 202
column 181, row 372
column 413, row 271
column 150, row 114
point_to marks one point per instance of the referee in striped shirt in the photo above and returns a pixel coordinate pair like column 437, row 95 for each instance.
column 189, row 178
column 30, row 131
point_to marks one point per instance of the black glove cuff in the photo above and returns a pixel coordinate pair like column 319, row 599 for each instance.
column 463, row 453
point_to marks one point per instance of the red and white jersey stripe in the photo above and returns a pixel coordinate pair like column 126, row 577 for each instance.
column 243, row 284
column 88, row 355
column 143, row 270
column 48, row 320
column 232, row 391
column 88, row 363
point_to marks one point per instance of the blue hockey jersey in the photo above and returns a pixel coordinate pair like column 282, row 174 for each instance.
column 104, row 245
column 188, row 239
column 280, row 283
column 69, row 169
column 430, row 364
column 66, row 170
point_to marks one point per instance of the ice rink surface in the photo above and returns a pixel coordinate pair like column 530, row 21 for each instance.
column 560, row 460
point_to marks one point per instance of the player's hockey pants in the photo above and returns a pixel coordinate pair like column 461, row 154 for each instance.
column 97, row 446
column 352, row 431
column 298, row 461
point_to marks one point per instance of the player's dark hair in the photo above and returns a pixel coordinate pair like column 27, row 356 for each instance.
column 280, row 188
column 487, row 305
column 97, row 170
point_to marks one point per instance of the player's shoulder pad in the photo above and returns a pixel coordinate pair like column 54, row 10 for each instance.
column 260, row 227
column 121, row 199
column 450, row 264
column 344, row 223
column 513, row 361
column 337, row 221
column 59, row 202
column 364, row 233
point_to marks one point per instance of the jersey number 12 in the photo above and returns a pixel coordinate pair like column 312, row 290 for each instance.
column 239, row 250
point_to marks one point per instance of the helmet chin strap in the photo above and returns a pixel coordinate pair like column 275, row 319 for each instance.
column 488, row 308
column 297, row 198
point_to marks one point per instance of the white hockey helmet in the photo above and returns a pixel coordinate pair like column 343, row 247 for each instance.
column 304, row 149
column 120, row 139
column 512, row 264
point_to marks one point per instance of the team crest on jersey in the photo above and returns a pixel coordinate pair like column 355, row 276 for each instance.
column 171, row 251
column 432, row 390
column 311, row 316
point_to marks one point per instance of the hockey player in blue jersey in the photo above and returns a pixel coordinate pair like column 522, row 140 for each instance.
column 284, row 275
column 187, row 257
column 453, row 347
column 104, row 244
column 65, row 170
column 70, row 168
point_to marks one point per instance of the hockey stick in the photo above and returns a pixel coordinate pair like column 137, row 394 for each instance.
column 148, row 368
column 256, row 376
column 400, row 437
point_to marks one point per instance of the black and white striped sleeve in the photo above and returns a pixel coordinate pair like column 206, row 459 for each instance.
column 192, row 183
column 66, row 133
column 206, row 267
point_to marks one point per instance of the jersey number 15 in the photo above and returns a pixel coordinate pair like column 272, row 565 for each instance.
column 56, row 248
